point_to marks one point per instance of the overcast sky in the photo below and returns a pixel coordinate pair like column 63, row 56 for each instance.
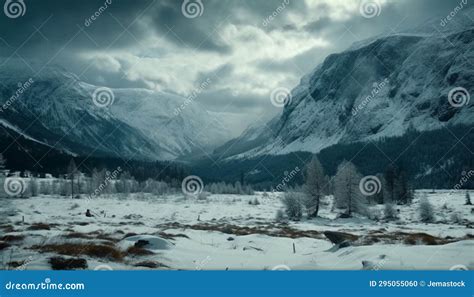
column 233, row 43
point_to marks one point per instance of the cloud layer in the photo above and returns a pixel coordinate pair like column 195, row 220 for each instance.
column 245, row 48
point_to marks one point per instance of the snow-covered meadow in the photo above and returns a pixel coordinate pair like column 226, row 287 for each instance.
column 145, row 231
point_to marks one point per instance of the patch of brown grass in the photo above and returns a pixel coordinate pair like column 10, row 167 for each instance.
column 4, row 245
column 171, row 236
column 151, row 264
column 11, row 238
column 422, row 238
column 137, row 251
column 77, row 249
column 283, row 231
column 91, row 235
column 39, row 226
column 7, row 228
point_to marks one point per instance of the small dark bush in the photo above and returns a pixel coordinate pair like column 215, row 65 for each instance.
column 60, row 263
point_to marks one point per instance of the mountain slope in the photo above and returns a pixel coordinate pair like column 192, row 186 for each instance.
column 376, row 89
column 57, row 109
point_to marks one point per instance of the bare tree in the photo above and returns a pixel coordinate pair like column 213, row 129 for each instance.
column 315, row 182
column 346, row 189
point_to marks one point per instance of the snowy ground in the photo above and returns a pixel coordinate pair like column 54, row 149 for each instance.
column 226, row 232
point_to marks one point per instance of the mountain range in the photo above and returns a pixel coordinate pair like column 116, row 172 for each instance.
column 58, row 109
column 382, row 88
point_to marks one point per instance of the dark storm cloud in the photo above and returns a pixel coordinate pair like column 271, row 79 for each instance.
column 150, row 43
column 58, row 22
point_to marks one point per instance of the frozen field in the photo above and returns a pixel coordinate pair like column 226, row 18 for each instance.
column 226, row 232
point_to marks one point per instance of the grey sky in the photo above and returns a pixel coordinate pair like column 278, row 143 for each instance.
column 151, row 44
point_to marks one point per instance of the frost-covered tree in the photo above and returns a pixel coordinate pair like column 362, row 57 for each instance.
column 293, row 207
column 315, row 182
column 426, row 210
column 468, row 198
column 280, row 216
column 389, row 212
column 72, row 172
column 347, row 194
column 33, row 187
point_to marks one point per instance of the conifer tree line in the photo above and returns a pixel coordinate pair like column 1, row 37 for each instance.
column 74, row 182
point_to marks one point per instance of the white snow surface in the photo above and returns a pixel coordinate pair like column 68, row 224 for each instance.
column 125, row 220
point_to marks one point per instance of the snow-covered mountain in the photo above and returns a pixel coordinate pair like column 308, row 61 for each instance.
column 377, row 88
column 57, row 109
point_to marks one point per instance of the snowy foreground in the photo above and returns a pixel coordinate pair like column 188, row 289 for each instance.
column 225, row 232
